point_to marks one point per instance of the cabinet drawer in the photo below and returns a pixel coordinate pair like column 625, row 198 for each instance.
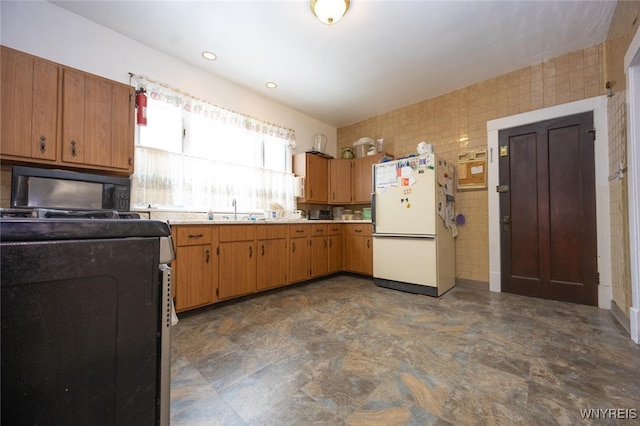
column 317, row 230
column 299, row 231
column 361, row 230
column 237, row 233
column 187, row 235
column 334, row 229
column 272, row 232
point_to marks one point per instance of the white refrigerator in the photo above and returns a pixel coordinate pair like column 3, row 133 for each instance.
column 412, row 207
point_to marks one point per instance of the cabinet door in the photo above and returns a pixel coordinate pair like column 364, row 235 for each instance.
column 335, row 253
column 361, row 179
column 319, row 256
column 272, row 263
column 97, row 122
column 193, row 276
column 29, row 118
column 237, row 269
column 315, row 170
column 340, row 181
column 359, row 255
column 123, row 127
column 318, row 178
column 299, row 259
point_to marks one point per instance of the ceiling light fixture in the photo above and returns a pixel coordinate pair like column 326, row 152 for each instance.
column 271, row 84
column 210, row 56
column 329, row 11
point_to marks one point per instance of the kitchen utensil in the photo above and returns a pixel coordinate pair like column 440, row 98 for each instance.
column 347, row 153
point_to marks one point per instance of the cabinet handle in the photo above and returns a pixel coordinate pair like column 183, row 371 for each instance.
column 358, row 230
column 325, row 243
column 73, row 148
column 250, row 252
column 368, row 242
column 130, row 161
column 206, row 256
column 43, row 144
column 330, row 243
column 196, row 235
column 299, row 230
column 263, row 249
column 293, row 245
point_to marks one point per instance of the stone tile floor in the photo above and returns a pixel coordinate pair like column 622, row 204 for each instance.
column 343, row 351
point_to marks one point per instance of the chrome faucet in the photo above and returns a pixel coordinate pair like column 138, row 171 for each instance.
column 234, row 203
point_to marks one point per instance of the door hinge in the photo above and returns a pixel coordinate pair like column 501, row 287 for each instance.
column 598, row 278
column 504, row 151
column 502, row 188
column 593, row 131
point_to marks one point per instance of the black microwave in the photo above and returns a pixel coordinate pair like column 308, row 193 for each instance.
column 63, row 189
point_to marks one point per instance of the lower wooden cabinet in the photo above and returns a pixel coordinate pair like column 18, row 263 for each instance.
column 195, row 278
column 220, row 262
column 358, row 249
column 237, row 267
column 335, row 254
column 319, row 251
column 273, row 256
column 299, row 253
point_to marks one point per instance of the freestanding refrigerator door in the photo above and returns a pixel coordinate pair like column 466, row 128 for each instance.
column 405, row 198
column 408, row 260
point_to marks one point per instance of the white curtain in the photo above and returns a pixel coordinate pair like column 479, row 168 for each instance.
column 193, row 155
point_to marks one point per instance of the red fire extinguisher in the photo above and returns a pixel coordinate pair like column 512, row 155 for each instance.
column 141, row 105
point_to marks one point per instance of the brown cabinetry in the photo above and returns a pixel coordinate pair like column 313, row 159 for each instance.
column 195, row 266
column 29, row 118
column 334, row 239
column 319, row 250
column 299, row 253
column 273, row 265
column 340, row 181
column 58, row 115
column 237, row 260
column 361, row 179
column 315, row 170
column 358, row 250
column 97, row 121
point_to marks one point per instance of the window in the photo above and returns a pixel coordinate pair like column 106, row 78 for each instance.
column 193, row 155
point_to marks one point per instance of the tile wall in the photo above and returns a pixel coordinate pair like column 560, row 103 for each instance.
column 456, row 122
column 622, row 29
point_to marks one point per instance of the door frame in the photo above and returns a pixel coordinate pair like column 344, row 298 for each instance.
column 632, row 69
column 601, row 152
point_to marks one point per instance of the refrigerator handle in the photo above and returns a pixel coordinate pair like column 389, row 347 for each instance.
column 373, row 210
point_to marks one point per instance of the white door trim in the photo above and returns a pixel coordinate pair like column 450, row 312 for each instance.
column 599, row 107
column 632, row 69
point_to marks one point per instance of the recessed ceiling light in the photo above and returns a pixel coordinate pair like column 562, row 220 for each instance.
column 210, row 56
column 271, row 84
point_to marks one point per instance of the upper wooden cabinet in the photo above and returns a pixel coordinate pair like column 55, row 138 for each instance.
column 29, row 103
column 340, row 181
column 315, row 170
column 69, row 118
column 361, row 178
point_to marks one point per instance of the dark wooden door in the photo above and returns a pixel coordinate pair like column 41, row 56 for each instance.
column 548, row 210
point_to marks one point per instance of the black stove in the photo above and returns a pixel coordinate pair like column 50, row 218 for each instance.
column 45, row 213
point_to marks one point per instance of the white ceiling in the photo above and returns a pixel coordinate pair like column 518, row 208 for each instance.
column 381, row 56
